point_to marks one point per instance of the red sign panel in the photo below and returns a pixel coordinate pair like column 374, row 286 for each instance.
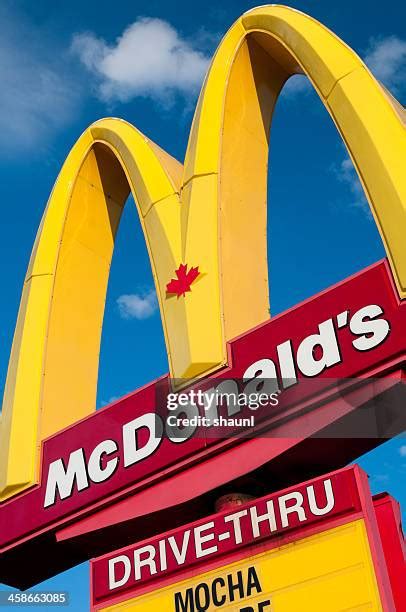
column 108, row 467
column 210, row 547
column 273, row 516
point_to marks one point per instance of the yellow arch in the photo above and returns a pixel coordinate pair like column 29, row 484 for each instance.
column 227, row 154
column 52, row 375
column 214, row 218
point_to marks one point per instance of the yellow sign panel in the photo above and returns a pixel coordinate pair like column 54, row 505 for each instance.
column 330, row 571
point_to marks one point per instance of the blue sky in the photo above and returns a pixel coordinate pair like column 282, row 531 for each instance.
column 66, row 64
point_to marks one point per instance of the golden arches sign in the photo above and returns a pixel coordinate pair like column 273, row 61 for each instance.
column 183, row 213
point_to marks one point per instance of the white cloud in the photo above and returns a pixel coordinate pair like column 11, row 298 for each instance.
column 382, row 478
column 111, row 399
column 296, row 85
column 36, row 94
column 402, row 450
column 149, row 59
column 386, row 58
column 138, row 306
column 346, row 173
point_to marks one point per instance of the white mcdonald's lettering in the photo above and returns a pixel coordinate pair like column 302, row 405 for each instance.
column 203, row 540
column 63, row 480
column 366, row 324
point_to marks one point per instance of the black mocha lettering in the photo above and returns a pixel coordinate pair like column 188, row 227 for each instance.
column 220, row 592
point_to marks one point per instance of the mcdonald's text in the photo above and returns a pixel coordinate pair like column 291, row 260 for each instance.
column 316, row 353
column 350, row 332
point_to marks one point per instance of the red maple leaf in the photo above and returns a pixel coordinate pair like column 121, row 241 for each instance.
column 182, row 283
